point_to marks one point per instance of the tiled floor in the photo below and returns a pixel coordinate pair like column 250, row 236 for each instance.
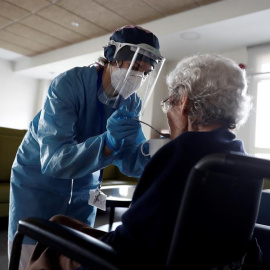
column 102, row 221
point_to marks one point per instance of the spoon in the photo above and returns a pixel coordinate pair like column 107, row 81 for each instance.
column 160, row 133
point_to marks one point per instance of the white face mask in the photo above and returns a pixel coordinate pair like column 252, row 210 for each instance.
column 126, row 86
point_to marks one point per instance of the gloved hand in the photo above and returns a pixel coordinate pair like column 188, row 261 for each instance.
column 135, row 138
column 133, row 105
column 120, row 126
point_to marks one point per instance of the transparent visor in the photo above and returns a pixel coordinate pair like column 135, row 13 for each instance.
column 136, row 70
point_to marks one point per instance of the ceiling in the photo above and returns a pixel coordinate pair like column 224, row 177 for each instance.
column 45, row 37
column 32, row 27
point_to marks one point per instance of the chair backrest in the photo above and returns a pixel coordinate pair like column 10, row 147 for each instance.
column 264, row 211
column 218, row 211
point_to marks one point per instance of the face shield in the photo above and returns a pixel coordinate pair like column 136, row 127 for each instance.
column 136, row 71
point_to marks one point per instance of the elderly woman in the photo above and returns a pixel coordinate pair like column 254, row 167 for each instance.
column 207, row 100
column 206, row 92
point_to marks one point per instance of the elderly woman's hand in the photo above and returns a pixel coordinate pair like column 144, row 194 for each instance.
column 178, row 119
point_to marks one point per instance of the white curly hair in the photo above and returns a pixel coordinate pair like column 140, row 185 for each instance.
column 216, row 88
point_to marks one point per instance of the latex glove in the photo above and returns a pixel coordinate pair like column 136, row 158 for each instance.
column 133, row 105
column 120, row 126
column 136, row 138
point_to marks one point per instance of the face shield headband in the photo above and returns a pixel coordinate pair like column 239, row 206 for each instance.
column 140, row 75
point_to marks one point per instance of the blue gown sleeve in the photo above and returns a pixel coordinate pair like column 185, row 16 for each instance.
column 61, row 154
column 131, row 162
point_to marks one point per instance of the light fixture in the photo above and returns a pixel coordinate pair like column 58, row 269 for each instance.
column 190, row 35
column 75, row 24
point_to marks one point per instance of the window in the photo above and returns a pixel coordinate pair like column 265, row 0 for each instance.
column 262, row 120
column 262, row 129
column 259, row 87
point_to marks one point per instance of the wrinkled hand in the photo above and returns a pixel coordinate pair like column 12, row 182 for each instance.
column 119, row 127
column 177, row 120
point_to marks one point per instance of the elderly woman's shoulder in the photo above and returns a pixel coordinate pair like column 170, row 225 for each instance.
column 193, row 136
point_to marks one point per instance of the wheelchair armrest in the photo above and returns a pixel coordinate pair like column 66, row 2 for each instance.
column 82, row 248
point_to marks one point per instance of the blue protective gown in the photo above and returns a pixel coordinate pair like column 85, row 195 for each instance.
column 65, row 141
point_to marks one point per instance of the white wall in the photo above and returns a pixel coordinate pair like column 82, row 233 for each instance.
column 20, row 97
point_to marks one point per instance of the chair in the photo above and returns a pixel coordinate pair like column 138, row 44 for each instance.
column 214, row 227
column 264, row 211
column 219, row 210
